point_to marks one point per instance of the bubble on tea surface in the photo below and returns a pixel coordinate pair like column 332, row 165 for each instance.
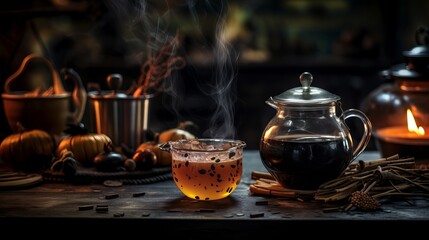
column 226, row 146
column 210, row 147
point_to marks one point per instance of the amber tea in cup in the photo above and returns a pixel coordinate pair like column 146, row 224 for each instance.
column 207, row 169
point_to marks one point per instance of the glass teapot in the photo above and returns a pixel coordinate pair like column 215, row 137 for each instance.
column 306, row 144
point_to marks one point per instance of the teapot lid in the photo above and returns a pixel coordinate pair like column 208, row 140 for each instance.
column 306, row 94
column 417, row 59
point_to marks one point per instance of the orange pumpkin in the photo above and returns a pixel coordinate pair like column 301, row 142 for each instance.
column 163, row 157
column 174, row 134
column 28, row 150
column 84, row 146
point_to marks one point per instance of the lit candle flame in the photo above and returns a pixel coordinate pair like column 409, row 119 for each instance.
column 412, row 125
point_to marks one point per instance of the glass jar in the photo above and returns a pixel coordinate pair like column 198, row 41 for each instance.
column 306, row 144
column 399, row 109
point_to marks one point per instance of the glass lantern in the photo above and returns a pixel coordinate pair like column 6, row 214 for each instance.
column 399, row 110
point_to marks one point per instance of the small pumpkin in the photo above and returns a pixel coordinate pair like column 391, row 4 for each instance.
column 163, row 158
column 145, row 159
column 108, row 160
column 28, row 150
column 84, row 146
column 174, row 135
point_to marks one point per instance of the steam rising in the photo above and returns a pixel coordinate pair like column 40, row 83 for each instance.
column 222, row 121
column 154, row 18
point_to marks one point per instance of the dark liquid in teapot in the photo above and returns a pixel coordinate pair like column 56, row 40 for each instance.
column 305, row 161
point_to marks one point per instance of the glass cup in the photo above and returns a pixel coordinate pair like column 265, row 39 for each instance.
column 206, row 169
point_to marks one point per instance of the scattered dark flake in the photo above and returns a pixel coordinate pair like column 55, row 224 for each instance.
column 207, row 198
column 176, row 179
column 174, row 210
column 217, row 160
column 197, row 197
column 112, row 183
column 233, row 166
column 213, row 158
column 202, row 171
column 146, row 214
column 186, row 155
column 222, row 166
column 227, row 190
column 186, row 163
column 261, row 202
column 211, row 184
column 86, row 207
column 228, row 216
column 139, row 194
column 205, row 187
column 178, row 166
column 239, row 214
column 218, row 176
column 219, row 180
column 101, row 209
column 231, row 154
column 206, row 210
column 189, row 177
column 121, row 214
column 211, row 174
column 212, row 167
column 256, row 215
column 111, row 196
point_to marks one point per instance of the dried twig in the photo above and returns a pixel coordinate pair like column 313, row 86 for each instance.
column 158, row 67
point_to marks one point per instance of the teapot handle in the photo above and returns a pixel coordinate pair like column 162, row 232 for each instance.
column 79, row 94
column 367, row 129
column 57, row 85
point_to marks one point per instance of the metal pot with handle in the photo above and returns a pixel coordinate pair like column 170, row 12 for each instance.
column 46, row 109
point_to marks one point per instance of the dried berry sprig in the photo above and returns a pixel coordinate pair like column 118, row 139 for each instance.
column 158, row 67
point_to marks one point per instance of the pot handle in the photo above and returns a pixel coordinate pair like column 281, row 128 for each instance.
column 79, row 94
column 57, row 85
column 165, row 147
column 271, row 103
column 367, row 129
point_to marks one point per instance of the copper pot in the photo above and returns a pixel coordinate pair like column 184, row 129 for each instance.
column 48, row 112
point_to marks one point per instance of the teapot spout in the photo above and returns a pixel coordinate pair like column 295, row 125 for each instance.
column 271, row 102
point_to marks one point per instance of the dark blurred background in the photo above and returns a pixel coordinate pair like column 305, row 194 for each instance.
column 343, row 43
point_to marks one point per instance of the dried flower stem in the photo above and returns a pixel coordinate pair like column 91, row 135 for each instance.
column 158, row 67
